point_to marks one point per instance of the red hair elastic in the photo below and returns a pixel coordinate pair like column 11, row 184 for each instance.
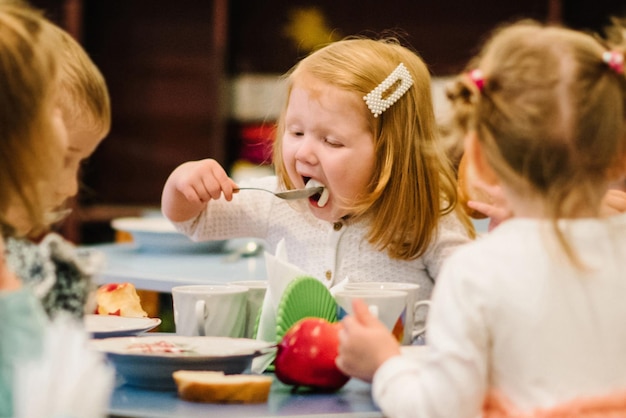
column 615, row 61
column 477, row 77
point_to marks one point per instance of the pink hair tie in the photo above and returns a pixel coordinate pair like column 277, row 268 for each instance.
column 477, row 78
column 615, row 61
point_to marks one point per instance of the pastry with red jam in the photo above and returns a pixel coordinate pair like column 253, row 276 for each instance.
column 119, row 299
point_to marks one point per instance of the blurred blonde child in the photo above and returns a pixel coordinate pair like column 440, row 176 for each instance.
column 59, row 276
column 40, row 146
column 32, row 145
column 388, row 207
column 528, row 320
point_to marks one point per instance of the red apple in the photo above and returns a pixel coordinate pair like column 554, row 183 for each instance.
column 306, row 355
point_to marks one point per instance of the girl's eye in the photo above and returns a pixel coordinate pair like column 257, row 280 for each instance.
column 332, row 142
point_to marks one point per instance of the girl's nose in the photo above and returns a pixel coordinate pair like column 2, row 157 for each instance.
column 306, row 152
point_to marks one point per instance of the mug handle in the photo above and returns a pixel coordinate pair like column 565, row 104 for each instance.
column 201, row 315
column 419, row 304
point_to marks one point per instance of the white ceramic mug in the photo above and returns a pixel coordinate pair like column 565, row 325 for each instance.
column 210, row 310
column 412, row 304
column 256, row 294
column 388, row 305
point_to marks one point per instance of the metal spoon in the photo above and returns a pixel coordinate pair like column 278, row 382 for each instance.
column 288, row 194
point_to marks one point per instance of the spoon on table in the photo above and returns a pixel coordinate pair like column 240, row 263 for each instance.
column 288, row 194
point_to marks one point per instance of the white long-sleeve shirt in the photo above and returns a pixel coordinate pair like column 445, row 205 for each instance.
column 328, row 251
column 509, row 314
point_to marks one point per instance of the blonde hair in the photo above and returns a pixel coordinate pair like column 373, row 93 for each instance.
column 84, row 95
column 550, row 116
column 413, row 184
column 30, row 151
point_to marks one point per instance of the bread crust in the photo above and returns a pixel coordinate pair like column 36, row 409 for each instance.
column 216, row 387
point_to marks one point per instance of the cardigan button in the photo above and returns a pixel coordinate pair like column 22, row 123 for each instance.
column 337, row 226
column 329, row 274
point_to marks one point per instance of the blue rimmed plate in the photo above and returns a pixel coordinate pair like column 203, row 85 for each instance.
column 149, row 361
column 156, row 233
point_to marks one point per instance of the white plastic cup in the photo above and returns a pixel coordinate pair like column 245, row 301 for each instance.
column 412, row 303
column 210, row 310
column 388, row 305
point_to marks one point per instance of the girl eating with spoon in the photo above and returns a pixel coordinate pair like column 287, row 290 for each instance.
column 358, row 122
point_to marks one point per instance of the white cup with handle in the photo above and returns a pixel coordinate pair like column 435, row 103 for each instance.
column 256, row 294
column 389, row 306
column 412, row 303
column 210, row 310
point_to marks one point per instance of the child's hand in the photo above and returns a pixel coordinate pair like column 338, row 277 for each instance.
column 191, row 185
column 364, row 343
column 613, row 203
column 201, row 181
column 496, row 209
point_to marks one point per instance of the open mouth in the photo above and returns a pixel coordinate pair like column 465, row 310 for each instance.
column 320, row 198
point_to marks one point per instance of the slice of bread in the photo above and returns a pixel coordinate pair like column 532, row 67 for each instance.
column 205, row 386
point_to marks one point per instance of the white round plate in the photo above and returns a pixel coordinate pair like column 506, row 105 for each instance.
column 156, row 233
column 154, row 370
column 105, row 326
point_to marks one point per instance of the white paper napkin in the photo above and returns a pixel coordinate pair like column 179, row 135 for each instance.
column 339, row 286
column 69, row 380
column 279, row 274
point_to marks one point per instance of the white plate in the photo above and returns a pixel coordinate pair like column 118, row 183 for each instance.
column 104, row 326
column 154, row 370
column 156, row 233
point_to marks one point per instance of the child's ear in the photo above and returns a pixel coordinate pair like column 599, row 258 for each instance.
column 476, row 161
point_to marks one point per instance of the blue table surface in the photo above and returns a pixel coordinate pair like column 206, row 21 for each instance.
column 353, row 400
column 160, row 271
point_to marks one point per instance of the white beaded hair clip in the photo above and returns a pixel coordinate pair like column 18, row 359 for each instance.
column 374, row 99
